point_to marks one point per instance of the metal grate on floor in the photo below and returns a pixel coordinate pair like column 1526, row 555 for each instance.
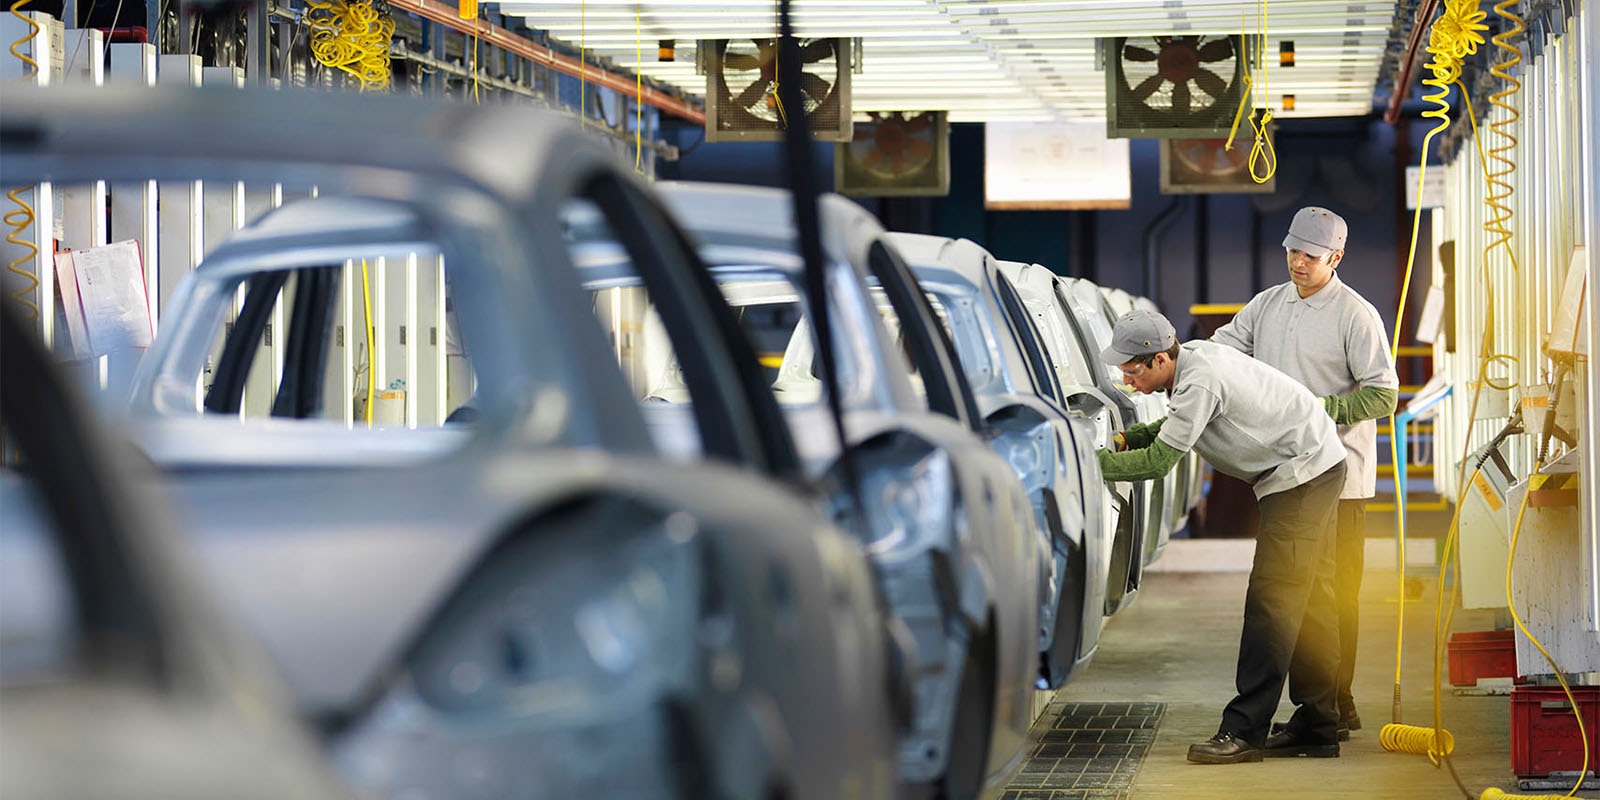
column 1086, row 751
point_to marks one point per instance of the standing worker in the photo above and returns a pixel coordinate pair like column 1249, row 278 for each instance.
column 1317, row 330
column 1257, row 424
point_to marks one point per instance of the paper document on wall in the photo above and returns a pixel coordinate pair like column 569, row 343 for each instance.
column 103, row 295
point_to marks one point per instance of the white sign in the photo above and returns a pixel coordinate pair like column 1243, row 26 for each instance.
column 1432, row 191
column 1054, row 166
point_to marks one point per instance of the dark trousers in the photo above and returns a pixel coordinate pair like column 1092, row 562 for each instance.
column 1349, row 561
column 1291, row 624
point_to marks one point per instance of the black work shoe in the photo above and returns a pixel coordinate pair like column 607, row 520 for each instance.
column 1349, row 720
column 1343, row 732
column 1292, row 743
column 1224, row 748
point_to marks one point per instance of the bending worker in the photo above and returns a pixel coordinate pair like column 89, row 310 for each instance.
column 1318, row 331
column 1257, row 424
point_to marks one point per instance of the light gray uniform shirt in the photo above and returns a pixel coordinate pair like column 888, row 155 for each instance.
column 1248, row 419
column 1331, row 342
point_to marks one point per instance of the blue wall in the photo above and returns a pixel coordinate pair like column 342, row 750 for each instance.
column 1350, row 165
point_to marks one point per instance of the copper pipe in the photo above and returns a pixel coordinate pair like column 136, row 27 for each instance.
column 1408, row 62
column 447, row 14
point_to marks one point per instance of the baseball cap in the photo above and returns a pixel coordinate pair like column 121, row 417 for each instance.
column 1316, row 232
column 1138, row 333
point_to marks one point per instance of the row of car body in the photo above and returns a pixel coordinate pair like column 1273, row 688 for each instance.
column 635, row 562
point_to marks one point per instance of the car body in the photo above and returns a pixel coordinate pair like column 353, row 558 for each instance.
column 946, row 521
column 1050, row 449
column 535, row 604
column 118, row 676
column 1089, row 392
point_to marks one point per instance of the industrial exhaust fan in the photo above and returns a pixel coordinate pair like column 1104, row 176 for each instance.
column 1173, row 87
column 742, row 89
column 1206, row 166
column 895, row 154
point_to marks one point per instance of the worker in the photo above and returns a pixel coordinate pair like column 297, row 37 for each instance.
column 1253, row 422
column 1319, row 331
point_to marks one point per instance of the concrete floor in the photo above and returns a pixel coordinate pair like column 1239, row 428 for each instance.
column 1177, row 646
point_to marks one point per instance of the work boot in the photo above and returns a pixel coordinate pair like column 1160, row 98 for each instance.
column 1289, row 743
column 1224, row 748
column 1349, row 720
column 1343, row 731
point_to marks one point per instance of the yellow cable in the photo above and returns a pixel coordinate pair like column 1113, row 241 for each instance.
column 1263, row 160
column 638, row 91
column 21, row 218
column 583, row 62
column 475, row 81
column 353, row 37
column 1454, row 35
column 372, row 372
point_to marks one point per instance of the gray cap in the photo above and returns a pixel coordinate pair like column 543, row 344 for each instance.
column 1138, row 333
column 1316, row 232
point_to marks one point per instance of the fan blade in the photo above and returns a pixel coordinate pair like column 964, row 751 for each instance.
column 919, row 148
column 816, row 50
column 1131, row 53
column 897, row 162
column 751, row 94
column 740, row 62
column 1180, row 97
column 1210, row 83
column 1216, row 50
column 872, row 158
column 814, row 87
column 1148, row 87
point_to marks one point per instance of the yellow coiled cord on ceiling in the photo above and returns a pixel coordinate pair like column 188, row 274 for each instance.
column 21, row 218
column 1500, row 189
column 1455, row 35
column 352, row 37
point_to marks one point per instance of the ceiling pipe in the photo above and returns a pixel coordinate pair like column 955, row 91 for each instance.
column 449, row 16
column 1408, row 61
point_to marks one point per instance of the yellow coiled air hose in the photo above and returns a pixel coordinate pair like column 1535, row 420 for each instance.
column 1455, row 35
column 352, row 37
column 21, row 218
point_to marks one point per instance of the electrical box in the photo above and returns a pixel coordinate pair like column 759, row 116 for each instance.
column 1484, row 533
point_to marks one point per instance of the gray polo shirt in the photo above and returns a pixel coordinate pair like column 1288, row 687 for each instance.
column 1248, row 419
column 1333, row 343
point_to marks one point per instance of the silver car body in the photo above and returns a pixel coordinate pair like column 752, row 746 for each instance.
column 118, row 676
column 531, row 606
column 1083, row 382
column 970, row 538
column 1051, row 450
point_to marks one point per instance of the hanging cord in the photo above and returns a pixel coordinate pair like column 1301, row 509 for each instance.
column 354, row 37
column 21, row 218
column 1263, row 160
column 583, row 62
column 476, row 82
column 1454, row 35
column 366, row 300
column 638, row 91
column 1500, row 189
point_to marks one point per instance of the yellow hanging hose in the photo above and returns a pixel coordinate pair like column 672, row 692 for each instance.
column 353, row 37
column 1455, row 35
column 21, row 218
column 1263, row 160
column 372, row 372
